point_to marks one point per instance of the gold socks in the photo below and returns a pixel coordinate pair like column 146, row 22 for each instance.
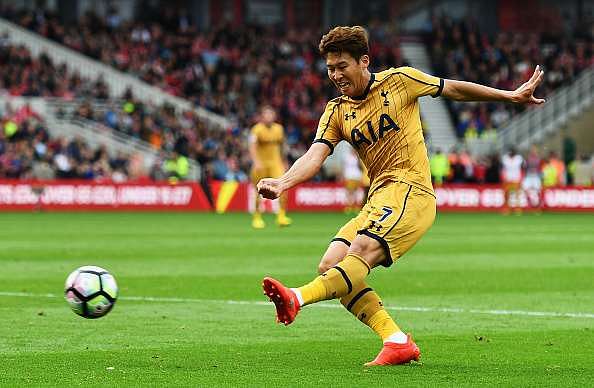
column 365, row 304
column 337, row 281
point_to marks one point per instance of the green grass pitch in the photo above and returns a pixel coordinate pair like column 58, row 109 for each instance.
column 490, row 300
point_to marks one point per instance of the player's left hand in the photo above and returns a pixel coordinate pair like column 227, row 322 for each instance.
column 525, row 93
column 270, row 188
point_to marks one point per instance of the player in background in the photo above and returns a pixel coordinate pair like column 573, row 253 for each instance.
column 353, row 179
column 267, row 141
column 512, row 164
column 532, row 182
column 378, row 114
column 365, row 182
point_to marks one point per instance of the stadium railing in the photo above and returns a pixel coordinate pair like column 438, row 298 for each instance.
column 535, row 124
column 94, row 133
column 97, row 134
column 117, row 81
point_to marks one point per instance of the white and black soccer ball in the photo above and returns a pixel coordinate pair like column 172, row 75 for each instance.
column 91, row 291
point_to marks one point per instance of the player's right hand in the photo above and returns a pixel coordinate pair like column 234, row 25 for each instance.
column 270, row 188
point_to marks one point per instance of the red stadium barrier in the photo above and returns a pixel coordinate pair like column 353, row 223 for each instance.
column 85, row 195
column 189, row 196
column 575, row 199
column 480, row 198
column 470, row 198
column 492, row 198
column 319, row 197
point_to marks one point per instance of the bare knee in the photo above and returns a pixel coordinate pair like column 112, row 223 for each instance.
column 334, row 254
column 329, row 260
column 369, row 249
column 322, row 268
column 326, row 264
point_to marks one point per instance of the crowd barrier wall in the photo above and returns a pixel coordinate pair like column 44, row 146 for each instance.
column 69, row 195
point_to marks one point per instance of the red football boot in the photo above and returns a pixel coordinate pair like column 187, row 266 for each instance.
column 285, row 300
column 396, row 354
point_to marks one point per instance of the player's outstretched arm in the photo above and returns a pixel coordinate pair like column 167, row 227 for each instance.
column 302, row 170
column 469, row 91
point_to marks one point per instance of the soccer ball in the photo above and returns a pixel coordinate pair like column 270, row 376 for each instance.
column 91, row 291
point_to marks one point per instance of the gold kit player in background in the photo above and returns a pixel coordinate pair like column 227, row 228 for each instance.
column 267, row 139
column 378, row 114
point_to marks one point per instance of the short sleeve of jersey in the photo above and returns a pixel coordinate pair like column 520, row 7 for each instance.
column 419, row 84
column 328, row 128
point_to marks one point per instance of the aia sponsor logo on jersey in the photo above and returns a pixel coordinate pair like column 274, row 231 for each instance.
column 369, row 135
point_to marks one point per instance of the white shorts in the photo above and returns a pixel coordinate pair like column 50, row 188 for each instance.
column 352, row 174
column 532, row 182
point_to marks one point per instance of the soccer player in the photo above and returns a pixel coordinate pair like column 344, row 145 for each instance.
column 378, row 114
column 266, row 150
column 512, row 164
column 532, row 182
column 353, row 179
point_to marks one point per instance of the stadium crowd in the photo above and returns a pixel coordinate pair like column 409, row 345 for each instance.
column 233, row 70
column 27, row 151
column 23, row 74
column 549, row 167
column 460, row 50
column 223, row 153
column 26, row 75
column 230, row 70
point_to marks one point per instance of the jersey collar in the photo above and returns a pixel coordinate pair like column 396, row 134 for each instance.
column 366, row 92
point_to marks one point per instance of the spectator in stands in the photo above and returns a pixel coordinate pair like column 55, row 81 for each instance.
column 28, row 151
column 553, row 171
column 39, row 77
column 457, row 170
column 504, row 60
column 176, row 167
column 440, row 167
column 219, row 168
column 232, row 70
column 549, row 175
column 63, row 163
column 489, row 133
column 493, row 171
column 499, row 116
column 583, row 171
column 42, row 169
column 559, row 166
column 467, row 162
column 234, row 173
column 480, row 170
column 569, row 156
column 210, row 68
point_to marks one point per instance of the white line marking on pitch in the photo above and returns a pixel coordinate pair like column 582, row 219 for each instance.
column 454, row 310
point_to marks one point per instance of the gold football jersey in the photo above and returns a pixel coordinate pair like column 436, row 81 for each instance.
column 384, row 126
column 269, row 141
